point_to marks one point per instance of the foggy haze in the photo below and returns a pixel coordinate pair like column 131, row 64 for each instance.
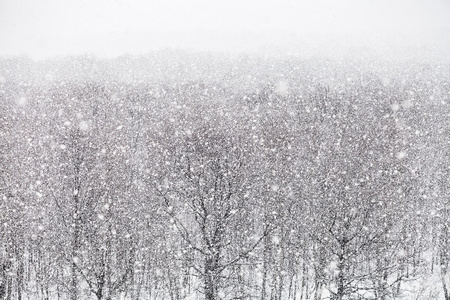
column 47, row 28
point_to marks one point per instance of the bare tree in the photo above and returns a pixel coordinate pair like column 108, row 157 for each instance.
column 205, row 197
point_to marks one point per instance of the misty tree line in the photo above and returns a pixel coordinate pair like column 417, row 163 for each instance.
column 200, row 190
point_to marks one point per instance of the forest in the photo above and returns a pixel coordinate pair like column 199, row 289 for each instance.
column 179, row 175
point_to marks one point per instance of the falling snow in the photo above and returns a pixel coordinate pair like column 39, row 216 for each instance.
column 294, row 169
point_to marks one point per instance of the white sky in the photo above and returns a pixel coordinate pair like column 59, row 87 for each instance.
column 42, row 28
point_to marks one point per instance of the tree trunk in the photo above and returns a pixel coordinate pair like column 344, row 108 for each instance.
column 20, row 283
column 303, row 286
column 318, row 290
column 3, row 281
column 444, row 259
column 9, row 288
column 444, row 282
column 340, row 280
column 74, row 282
column 74, row 254
column 264, row 270
column 210, row 277
column 210, row 288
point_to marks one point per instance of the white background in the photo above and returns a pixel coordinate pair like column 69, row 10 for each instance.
column 44, row 28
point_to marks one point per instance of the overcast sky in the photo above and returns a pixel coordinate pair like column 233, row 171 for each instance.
column 43, row 28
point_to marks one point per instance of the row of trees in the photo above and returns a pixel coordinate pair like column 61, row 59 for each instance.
column 199, row 190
